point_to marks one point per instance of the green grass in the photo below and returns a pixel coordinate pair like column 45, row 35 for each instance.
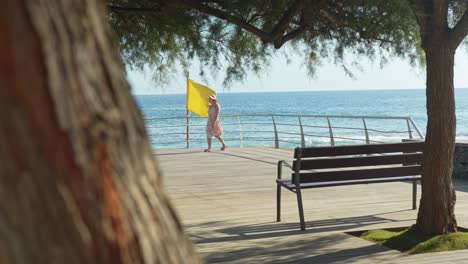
column 412, row 241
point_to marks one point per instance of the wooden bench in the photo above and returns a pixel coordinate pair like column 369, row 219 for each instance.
column 317, row 167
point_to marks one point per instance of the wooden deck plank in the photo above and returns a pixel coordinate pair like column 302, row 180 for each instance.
column 226, row 201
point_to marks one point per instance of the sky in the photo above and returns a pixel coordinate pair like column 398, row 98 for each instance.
column 280, row 76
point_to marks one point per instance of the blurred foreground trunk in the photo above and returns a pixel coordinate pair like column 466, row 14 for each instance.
column 78, row 182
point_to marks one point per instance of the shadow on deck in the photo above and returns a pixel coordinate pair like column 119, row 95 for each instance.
column 279, row 229
column 227, row 203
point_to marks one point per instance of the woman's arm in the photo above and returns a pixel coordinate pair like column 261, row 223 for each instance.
column 216, row 114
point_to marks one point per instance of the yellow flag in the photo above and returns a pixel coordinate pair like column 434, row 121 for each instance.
column 197, row 98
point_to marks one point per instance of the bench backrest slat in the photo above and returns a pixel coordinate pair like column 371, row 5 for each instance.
column 342, row 162
column 359, row 174
column 360, row 149
column 393, row 160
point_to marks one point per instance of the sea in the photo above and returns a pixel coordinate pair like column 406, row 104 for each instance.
column 250, row 119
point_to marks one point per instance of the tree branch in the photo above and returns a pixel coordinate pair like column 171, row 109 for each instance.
column 291, row 35
column 253, row 18
column 199, row 6
column 440, row 13
column 134, row 9
column 418, row 9
column 276, row 35
column 286, row 19
column 422, row 12
column 334, row 19
column 460, row 30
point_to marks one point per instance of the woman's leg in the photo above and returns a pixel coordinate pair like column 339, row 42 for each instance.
column 208, row 139
column 220, row 138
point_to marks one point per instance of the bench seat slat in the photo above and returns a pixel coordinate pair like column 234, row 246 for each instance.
column 290, row 185
column 359, row 149
column 358, row 174
column 342, row 162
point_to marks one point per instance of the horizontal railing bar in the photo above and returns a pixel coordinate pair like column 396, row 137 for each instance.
column 168, row 143
column 315, row 126
column 287, row 124
column 167, row 126
column 360, row 117
column 196, row 139
column 293, row 138
column 377, row 141
column 179, row 134
column 256, row 123
column 388, row 131
column 174, row 128
column 181, row 126
column 351, row 128
column 248, row 140
column 160, row 133
column 289, row 133
column 347, row 138
column 295, row 142
column 192, row 125
column 204, row 139
column 279, row 115
column 264, row 131
column 257, row 138
column 195, row 125
column 373, row 130
column 310, row 135
column 166, row 118
column 230, row 124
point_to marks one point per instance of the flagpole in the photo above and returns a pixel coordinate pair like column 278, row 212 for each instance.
column 188, row 114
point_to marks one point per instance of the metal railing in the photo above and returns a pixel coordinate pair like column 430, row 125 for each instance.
column 283, row 130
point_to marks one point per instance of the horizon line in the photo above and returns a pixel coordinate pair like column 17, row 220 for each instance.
column 296, row 91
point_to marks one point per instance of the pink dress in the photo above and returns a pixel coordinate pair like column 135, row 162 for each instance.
column 213, row 118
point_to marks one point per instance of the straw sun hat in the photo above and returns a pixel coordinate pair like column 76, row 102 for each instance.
column 213, row 97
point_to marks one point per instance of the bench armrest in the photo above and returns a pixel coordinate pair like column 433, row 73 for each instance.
column 282, row 163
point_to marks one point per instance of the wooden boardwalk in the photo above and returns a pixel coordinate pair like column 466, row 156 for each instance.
column 227, row 203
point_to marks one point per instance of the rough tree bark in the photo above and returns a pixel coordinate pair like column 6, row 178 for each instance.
column 436, row 213
column 78, row 182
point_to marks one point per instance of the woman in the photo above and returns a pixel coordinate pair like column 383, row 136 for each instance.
column 213, row 126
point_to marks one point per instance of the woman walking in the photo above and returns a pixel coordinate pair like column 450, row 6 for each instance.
column 213, row 126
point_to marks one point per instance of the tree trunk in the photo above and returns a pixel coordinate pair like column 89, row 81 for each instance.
column 78, row 182
column 436, row 212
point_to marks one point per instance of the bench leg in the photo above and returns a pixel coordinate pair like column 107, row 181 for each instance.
column 415, row 190
column 278, row 203
column 301, row 210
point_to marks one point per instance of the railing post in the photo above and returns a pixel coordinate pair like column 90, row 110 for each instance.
column 332, row 140
column 188, row 130
column 410, row 134
column 302, row 133
column 416, row 128
column 240, row 130
column 276, row 133
column 366, row 131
